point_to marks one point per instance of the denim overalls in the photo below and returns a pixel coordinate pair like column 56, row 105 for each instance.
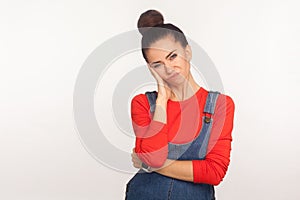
column 154, row 186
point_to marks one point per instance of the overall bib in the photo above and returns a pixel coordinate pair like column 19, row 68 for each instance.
column 154, row 186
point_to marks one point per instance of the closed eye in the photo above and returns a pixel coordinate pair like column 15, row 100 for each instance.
column 156, row 65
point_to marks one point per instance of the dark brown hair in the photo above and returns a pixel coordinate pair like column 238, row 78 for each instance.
column 151, row 26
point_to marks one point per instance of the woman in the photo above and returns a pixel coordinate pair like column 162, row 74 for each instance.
column 183, row 131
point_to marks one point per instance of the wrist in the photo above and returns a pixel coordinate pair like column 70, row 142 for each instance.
column 161, row 101
column 160, row 113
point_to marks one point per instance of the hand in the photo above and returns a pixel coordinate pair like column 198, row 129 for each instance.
column 137, row 163
column 164, row 90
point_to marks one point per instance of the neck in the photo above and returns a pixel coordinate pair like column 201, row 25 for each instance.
column 184, row 90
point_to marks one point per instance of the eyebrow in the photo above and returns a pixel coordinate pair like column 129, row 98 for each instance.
column 166, row 57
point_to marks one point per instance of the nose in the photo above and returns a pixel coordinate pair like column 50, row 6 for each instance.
column 169, row 68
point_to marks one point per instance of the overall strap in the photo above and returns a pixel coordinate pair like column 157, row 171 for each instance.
column 210, row 104
column 209, row 108
column 151, row 96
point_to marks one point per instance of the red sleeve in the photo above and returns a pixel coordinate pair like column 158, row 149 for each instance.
column 213, row 168
column 151, row 136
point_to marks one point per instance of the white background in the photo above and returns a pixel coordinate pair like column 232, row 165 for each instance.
column 254, row 45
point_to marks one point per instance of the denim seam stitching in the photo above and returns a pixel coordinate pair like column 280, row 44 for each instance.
column 170, row 189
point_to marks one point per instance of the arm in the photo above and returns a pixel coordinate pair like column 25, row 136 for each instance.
column 212, row 170
column 179, row 169
column 151, row 134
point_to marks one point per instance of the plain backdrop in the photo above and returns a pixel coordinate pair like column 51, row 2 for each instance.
column 43, row 44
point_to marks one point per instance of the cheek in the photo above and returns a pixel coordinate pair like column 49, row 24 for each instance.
column 184, row 64
column 185, row 69
column 182, row 61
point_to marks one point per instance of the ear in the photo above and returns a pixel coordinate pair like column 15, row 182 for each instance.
column 188, row 52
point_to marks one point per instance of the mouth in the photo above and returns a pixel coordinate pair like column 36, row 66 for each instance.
column 174, row 75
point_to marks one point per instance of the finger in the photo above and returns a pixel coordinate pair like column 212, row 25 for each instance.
column 155, row 74
column 136, row 160
column 137, row 164
column 134, row 155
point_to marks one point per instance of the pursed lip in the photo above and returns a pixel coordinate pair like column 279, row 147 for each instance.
column 173, row 75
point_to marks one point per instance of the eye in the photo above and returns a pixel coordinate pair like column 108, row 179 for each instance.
column 173, row 56
column 156, row 65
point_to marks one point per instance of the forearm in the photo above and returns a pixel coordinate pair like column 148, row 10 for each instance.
column 179, row 169
column 210, row 172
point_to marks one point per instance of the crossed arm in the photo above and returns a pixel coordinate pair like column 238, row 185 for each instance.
column 179, row 169
column 211, row 170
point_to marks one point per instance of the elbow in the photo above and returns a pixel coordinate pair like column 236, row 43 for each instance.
column 219, row 177
column 217, row 181
column 211, row 174
column 212, row 181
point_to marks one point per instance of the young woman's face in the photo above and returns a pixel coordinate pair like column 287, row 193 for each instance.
column 170, row 60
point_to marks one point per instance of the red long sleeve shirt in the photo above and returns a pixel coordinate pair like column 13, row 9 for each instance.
column 184, row 122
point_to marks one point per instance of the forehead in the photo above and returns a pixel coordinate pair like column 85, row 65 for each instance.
column 162, row 47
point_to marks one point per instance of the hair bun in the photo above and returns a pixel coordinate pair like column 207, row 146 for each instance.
column 148, row 19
